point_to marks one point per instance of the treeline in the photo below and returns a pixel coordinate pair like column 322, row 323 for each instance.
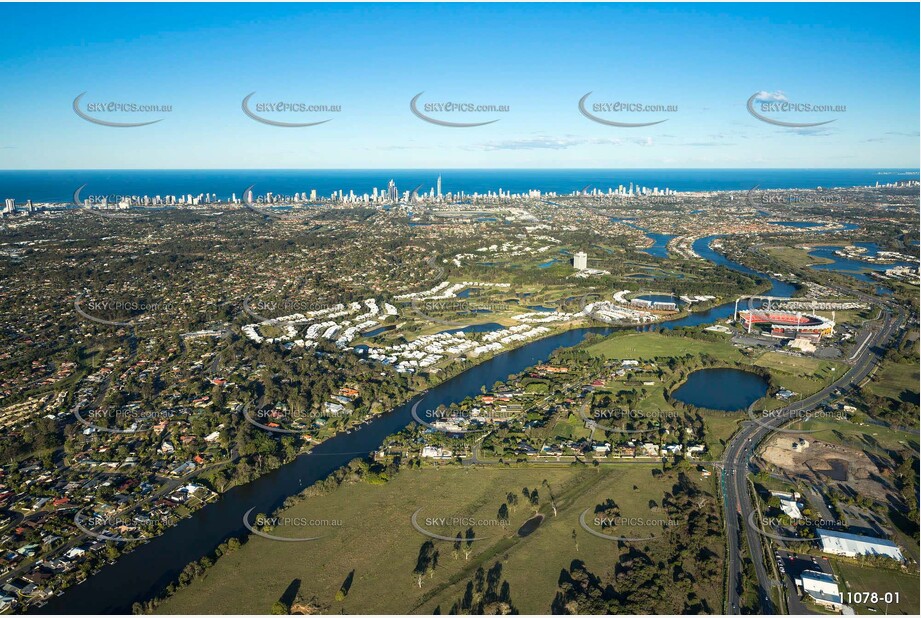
column 677, row 573
column 357, row 470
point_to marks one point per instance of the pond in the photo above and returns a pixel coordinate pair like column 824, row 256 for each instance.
column 377, row 331
column 722, row 389
column 487, row 327
column 531, row 525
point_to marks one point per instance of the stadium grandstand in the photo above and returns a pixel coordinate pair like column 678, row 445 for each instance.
column 787, row 324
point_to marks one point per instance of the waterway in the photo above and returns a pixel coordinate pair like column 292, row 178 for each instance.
column 722, row 389
column 147, row 570
column 702, row 247
column 659, row 246
column 857, row 269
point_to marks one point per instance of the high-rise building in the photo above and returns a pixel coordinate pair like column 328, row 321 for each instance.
column 9, row 205
column 392, row 191
column 580, row 260
column 438, row 187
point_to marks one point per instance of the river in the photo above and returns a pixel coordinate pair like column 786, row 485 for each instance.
column 147, row 570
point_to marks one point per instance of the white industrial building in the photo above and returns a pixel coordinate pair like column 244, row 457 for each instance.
column 847, row 544
column 821, row 588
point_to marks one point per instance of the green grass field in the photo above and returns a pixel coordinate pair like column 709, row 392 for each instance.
column 801, row 374
column 719, row 426
column 894, row 378
column 795, row 256
column 377, row 541
column 651, row 345
column 870, row 438
column 861, row 579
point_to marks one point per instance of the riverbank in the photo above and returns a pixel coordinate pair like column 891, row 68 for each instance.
column 143, row 573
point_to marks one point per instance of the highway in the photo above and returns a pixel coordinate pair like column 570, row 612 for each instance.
column 738, row 503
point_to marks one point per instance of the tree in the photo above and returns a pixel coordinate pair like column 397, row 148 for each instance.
column 425, row 562
column 457, row 545
column 469, row 538
column 279, row 609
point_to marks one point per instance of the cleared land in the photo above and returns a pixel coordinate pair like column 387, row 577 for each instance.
column 650, row 345
column 800, row 374
column 894, row 379
column 377, row 541
column 796, row 256
column 861, row 579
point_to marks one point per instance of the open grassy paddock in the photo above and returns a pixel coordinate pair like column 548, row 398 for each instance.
column 377, row 519
column 859, row 579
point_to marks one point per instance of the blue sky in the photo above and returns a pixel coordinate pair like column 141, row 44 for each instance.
column 537, row 59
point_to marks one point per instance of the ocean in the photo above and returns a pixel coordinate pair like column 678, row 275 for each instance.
column 59, row 185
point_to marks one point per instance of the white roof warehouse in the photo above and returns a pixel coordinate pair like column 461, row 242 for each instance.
column 846, row 544
column 822, row 587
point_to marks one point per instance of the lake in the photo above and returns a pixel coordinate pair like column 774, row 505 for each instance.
column 722, row 389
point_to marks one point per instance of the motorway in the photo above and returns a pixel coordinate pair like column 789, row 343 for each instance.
column 737, row 499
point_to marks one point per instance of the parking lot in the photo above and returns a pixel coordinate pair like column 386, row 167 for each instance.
column 792, row 565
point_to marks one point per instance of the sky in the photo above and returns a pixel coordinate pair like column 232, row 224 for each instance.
column 697, row 63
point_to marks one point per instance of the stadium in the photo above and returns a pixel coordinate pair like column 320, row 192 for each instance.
column 787, row 324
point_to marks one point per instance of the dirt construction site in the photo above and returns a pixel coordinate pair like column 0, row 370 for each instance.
column 813, row 461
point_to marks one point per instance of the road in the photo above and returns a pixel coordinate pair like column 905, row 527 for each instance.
column 739, row 451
